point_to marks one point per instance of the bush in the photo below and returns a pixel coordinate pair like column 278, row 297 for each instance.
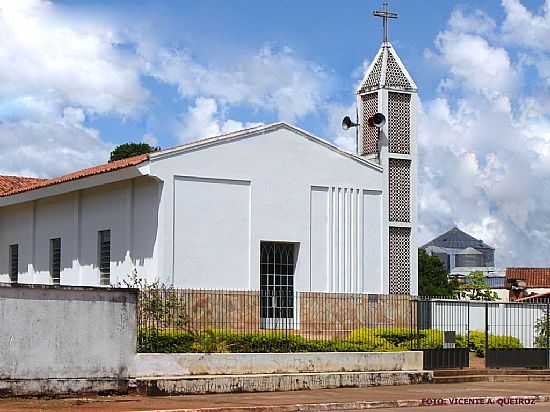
column 399, row 338
column 154, row 341
column 359, row 340
column 211, row 341
column 477, row 342
column 386, row 338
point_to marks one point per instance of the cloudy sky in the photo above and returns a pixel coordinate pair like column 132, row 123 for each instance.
column 78, row 77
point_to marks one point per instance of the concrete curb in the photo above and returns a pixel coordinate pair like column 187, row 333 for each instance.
column 339, row 406
column 284, row 382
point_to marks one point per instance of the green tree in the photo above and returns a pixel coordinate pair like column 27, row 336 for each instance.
column 475, row 287
column 432, row 276
column 126, row 150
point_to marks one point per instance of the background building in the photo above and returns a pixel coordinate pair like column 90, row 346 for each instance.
column 461, row 253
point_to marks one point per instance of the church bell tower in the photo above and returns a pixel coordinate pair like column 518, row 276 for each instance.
column 389, row 89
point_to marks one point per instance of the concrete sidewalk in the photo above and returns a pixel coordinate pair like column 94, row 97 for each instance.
column 329, row 399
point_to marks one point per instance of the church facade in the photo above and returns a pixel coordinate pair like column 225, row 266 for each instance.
column 267, row 208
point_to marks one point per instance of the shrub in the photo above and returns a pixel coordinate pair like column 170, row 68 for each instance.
column 399, row 338
column 168, row 341
column 430, row 339
column 359, row 340
column 477, row 342
column 154, row 341
column 381, row 336
column 370, row 337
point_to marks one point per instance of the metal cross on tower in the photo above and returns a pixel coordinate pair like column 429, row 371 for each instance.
column 385, row 15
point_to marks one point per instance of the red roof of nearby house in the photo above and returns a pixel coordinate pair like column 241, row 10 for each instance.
column 11, row 185
column 533, row 277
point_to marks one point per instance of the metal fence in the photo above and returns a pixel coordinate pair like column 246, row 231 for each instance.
column 254, row 321
column 185, row 320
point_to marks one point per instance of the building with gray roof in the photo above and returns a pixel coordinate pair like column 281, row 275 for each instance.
column 458, row 250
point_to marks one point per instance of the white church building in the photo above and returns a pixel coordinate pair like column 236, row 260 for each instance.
column 266, row 207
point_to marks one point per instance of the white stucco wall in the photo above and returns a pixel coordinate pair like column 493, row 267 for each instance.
column 197, row 221
column 128, row 208
column 220, row 202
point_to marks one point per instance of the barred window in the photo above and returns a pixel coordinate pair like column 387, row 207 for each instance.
column 14, row 263
column 55, row 260
column 277, row 264
column 104, row 256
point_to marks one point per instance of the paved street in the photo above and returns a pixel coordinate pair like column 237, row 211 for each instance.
column 534, row 408
column 227, row 401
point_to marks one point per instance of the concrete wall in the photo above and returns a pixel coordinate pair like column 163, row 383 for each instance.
column 58, row 339
column 128, row 208
column 183, row 364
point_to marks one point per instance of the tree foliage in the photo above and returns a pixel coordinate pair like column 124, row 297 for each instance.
column 125, row 150
column 475, row 287
column 432, row 276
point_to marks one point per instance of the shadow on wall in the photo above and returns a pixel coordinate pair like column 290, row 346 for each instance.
column 128, row 209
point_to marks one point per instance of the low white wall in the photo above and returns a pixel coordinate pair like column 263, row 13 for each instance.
column 184, row 364
column 59, row 339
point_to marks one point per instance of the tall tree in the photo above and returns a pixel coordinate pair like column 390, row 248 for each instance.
column 126, row 150
column 432, row 277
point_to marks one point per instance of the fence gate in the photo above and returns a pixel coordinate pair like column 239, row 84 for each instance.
column 446, row 322
column 517, row 335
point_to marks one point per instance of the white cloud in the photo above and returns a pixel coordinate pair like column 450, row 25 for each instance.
column 150, row 139
column 204, row 119
column 54, row 60
column 54, row 71
column 49, row 148
column 58, row 70
column 475, row 22
column 272, row 80
column 525, row 28
column 346, row 139
column 475, row 64
column 485, row 148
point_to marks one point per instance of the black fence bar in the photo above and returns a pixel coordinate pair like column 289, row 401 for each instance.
column 446, row 358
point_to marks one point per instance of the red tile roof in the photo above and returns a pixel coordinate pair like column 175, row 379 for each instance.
column 8, row 183
column 25, row 184
column 533, row 277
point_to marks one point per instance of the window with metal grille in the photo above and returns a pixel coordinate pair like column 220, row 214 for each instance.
column 14, row 263
column 104, row 256
column 277, row 264
column 55, row 260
